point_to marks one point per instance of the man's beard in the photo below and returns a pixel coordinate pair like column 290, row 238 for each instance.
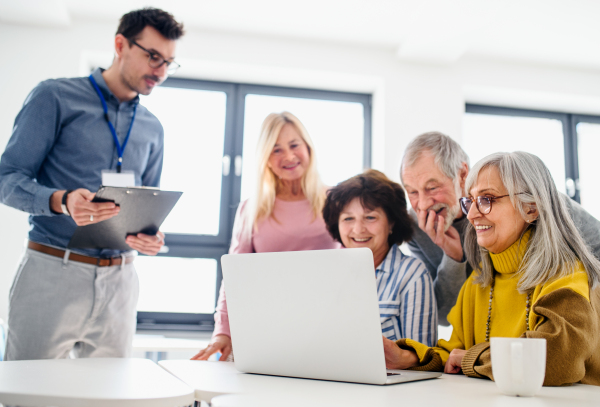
column 131, row 84
column 451, row 213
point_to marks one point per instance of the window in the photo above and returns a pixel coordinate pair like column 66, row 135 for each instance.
column 211, row 132
column 484, row 134
column 565, row 142
column 341, row 129
column 587, row 142
column 158, row 275
column 187, row 116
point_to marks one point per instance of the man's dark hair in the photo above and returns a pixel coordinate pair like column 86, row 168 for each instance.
column 375, row 190
column 132, row 23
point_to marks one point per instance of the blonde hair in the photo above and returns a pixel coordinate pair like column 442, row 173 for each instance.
column 261, row 204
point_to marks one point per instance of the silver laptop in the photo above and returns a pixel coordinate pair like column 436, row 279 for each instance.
column 309, row 314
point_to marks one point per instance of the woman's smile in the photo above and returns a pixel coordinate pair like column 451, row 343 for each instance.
column 482, row 228
column 291, row 166
column 361, row 240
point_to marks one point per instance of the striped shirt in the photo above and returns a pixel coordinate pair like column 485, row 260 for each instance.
column 406, row 299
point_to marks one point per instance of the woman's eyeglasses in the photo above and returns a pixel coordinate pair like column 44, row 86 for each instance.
column 483, row 203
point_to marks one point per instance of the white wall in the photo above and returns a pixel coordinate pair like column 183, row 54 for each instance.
column 408, row 98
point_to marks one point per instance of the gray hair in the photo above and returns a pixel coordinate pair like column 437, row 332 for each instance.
column 447, row 153
column 555, row 245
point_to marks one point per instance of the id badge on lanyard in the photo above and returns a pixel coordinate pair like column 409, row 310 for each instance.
column 112, row 178
column 116, row 178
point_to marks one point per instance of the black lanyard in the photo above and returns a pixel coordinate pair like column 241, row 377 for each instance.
column 120, row 149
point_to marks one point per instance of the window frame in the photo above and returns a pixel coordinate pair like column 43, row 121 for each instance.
column 176, row 239
column 569, row 125
column 575, row 120
column 213, row 247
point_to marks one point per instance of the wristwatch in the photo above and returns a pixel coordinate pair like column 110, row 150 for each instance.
column 63, row 203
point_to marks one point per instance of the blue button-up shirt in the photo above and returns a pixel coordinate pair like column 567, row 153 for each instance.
column 407, row 305
column 61, row 140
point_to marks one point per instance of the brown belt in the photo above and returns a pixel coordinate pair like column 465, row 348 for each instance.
column 112, row 261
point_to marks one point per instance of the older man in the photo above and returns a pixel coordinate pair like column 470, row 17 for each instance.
column 433, row 170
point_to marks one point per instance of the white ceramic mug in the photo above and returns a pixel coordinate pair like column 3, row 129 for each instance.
column 518, row 365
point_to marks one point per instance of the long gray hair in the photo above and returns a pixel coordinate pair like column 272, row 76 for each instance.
column 555, row 245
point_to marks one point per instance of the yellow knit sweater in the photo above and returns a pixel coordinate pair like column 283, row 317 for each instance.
column 562, row 312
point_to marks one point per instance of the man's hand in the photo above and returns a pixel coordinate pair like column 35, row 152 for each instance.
column 449, row 241
column 146, row 244
column 396, row 358
column 454, row 362
column 220, row 343
column 82, row 209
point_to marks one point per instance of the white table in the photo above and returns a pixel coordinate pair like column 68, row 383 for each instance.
column 220, row 384
column 91, row 382
column 208, row 379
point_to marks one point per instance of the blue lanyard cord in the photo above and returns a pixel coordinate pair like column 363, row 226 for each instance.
column 120, row 149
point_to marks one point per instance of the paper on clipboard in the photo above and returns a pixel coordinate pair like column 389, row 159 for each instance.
column 143, row 210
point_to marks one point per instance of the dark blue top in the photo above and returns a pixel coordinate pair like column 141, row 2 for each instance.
column 61, row 140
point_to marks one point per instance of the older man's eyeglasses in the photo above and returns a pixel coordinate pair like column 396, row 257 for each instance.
column 483, row 203
column 156, row 61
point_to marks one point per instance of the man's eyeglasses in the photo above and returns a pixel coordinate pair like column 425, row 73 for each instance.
column 483, row 203
column 156, row 61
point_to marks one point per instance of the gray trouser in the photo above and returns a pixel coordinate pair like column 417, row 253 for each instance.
column 55, row 307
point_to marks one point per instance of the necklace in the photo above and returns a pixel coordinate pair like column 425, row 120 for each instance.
column 487, row 325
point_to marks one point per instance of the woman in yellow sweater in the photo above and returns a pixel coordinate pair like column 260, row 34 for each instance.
column 533, row 277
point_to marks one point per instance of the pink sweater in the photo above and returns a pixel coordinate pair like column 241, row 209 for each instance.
column 294, row 230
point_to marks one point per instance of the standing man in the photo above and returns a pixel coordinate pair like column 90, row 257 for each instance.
column 70, row 135
column 433, row 170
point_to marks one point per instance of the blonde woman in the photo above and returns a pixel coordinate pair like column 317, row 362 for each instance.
column 285, row 212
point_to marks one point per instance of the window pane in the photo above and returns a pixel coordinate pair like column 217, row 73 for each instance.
column 194, row 124
column 336, row 128
column 486, row 134
column 588, row 145
column 176, row 284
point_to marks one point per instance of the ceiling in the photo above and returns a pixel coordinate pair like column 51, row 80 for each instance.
column 550, row 32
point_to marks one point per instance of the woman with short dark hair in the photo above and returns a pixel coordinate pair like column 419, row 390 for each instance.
column 369, row 210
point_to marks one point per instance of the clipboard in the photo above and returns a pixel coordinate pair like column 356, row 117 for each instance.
column 143, row 210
